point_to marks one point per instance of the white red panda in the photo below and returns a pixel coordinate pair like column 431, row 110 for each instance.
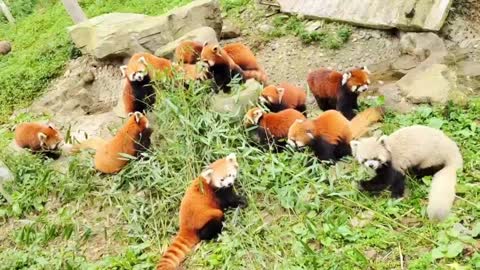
column 132, row 139
column 188, row 52
column 232, row 60
column 141, row 70
column 330, row 133
column 39, row 138
column 336, row 91
column 202, row 209
column 285, row 96
column 272, row 128
column 420, row 150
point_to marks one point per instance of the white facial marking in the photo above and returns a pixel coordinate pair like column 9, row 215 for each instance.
column 354, row 88
column 362, row 88
column 211, row 63
column 373, row 164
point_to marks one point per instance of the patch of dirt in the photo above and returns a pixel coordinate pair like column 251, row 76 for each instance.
column 462, row 28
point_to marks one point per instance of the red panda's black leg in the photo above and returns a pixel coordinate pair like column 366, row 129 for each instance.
column 386, row 176
column 347, row 102
column 342, row 149
column 322, row 149
column 143, row 142
column 228, row 198
column 325, row 103
column 302, row 108
column 211, row 230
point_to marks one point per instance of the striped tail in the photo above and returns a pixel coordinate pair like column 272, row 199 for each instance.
column 93, row 143
column 175, row 254
column 360, row 123
column 258, row 75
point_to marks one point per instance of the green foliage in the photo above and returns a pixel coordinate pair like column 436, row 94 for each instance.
column 331, row 36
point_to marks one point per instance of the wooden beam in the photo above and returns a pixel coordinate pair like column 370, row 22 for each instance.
column 6, row 12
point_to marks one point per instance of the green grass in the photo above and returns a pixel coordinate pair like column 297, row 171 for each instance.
column 329, row 35
column 302, row 214
column 41, row 45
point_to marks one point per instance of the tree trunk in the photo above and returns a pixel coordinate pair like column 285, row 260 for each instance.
column 74, row 10
column 6, row 12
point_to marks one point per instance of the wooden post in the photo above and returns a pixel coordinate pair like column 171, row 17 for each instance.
column 74, row 10
column 6, row 12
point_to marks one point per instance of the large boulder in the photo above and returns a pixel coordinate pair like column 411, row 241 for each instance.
column 237, row 104
column 431, row 85
column 405, row 15
column 119, row 35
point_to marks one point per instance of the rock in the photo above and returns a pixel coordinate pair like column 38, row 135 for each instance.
column 265, row 28
column 403, row 65
column 403, row 15
column 229, row 30
column 312, row 26
column 201, row 35
column 470, row 68
column 431, row 85
column 425, row 46
column 119, row 35
column 5, row 47
column 394, row 100
column 237, row 104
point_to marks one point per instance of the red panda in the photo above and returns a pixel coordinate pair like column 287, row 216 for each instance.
column 202, row 209
column 336, row 91
column 223, row 67
column 39, row 138
column 244, row 57
column 141, row 70
column 192, row 72
column 329, row 134
column 188, row 52
column 272, row 127
column 132, row 139
column 285, row 96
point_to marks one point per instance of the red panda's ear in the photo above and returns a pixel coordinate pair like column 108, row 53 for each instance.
column 42, row 137
column 231, row 157
column 207, row 174
column 383, row 140
column 310, row 134
column 129, row 114
column 51, row 126
column 345, row 77
column 364, row 68
column 280, row 92
column 123, row 69
column 143, row 60
column 216, row 49
column 205, row 43
column 138, row 116
column 354, row 146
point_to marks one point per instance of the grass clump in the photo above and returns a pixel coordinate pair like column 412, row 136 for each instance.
column 331, row 36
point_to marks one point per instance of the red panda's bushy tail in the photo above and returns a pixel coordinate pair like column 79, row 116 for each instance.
column 442, row 190
column 360, row 123
column 93, row 143
column 176, row 252
column 258, row 75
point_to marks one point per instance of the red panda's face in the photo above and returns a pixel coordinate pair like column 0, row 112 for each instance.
column 371, row 152
column 252, row 117
column 357, row 80
column 212, row 55
column 139, row 120
column 136, row 70
column 222, row 173
column 271, row 95
column 50, row 138
column 300, row 133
